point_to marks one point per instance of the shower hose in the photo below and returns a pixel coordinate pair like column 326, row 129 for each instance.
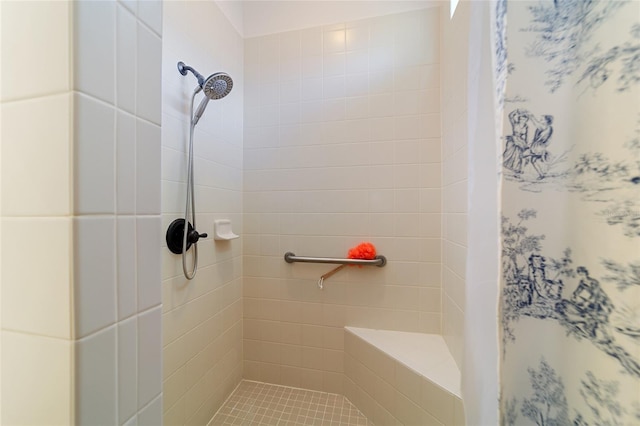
column 190, row 207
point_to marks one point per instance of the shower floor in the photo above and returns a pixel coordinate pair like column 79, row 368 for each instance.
column 255, row 403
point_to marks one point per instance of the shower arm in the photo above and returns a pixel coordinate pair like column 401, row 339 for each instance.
column 183, row 68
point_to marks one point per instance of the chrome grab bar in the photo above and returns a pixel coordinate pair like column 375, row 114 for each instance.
column 379, row 260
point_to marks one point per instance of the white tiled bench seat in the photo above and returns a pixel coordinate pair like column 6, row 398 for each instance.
column 396, row 377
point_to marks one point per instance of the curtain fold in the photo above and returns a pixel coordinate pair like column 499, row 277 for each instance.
column 480, row 363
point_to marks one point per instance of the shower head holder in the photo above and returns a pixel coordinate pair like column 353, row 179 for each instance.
column 184, row 68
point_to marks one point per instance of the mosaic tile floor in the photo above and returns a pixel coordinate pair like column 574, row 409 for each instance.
column 256, row 404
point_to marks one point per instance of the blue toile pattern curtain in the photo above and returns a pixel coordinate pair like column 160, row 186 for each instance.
column 568, row 82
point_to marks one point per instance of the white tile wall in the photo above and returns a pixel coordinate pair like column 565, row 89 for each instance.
column 148, row 239
column 127, row 369
column 125, row 163
column 342, row 131
column 202, row 318
column 74, row 314
column 36, row 379
column 126, row 63
column 149, row 356
column 150, row 12
column 36, row 240
column 148, row 62
column 94, row 38
column 94, row 156
column 126, row 266
column 36, row 299
column 454, row 52
column 94, row 274
column 117, row 171
column 96, row 378
column 151, row 415
column 148, row 165
column 47, row 32
column 36, row 173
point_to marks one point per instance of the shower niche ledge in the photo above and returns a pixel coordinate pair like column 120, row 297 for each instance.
column 400, row 377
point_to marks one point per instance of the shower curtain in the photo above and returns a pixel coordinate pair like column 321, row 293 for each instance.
column 567, row 82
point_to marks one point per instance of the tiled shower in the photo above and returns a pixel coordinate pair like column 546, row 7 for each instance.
column 335, row 133
column 341, row 141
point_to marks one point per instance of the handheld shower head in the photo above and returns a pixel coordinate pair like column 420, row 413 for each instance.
column 216, row 86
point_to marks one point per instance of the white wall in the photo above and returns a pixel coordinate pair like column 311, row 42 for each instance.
column 117, row 203
column 81, row 299
column 37, row 335
column 342, row 145
column 454, row 58
column 202, row 318
column 268, row 17
column 256, row 18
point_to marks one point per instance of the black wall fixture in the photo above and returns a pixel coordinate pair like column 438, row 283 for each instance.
column 175, row 235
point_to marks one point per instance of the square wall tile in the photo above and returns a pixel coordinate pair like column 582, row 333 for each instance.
column 126, row 45
column 36, row 380
column 37, row 299
column 94, row 30
column 150, row 12
column 437, row 402
column 290, row 45
column 125, row 163
column 176, row 414
column 151, row 415
column 311, row 42
column 148, row 83
column 148, row 266
column 357, row 37
column 94, row 273
column 36, row 169
column 148, row 163
column 95, row 378
column 94, row 156
column 126, row 266
column 127, row 369
column 334, row 41
column 29, row 27
column 149, row 356
column 173, row 388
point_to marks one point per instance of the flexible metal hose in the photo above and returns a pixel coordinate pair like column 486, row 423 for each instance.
column 191, row 203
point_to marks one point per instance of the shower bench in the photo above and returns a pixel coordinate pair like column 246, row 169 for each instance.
column 400, row 377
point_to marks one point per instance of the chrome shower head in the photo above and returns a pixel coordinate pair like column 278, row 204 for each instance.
column 216, row 86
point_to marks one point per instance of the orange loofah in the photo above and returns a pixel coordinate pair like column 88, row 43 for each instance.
column 362, row 251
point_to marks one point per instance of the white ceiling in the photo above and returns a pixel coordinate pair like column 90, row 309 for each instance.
column 254, row 18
